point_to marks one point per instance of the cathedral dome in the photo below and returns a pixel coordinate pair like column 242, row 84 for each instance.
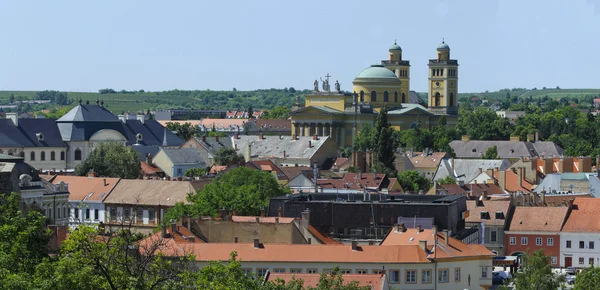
column 376, row 72
column 395, row 47
column 443, row 46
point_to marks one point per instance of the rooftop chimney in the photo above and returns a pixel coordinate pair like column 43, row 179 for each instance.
column 423, row 245
column 91, row 173
column 305, row 221
column 276, row 220
column 256, row 243
column 248, row 153
column 236, row 136
column 14, row 117
column 418, row 228
column 309, row 241
column 149, row 158
column 284, row 155
column 446, row 236
column 543, row 196
column 315, row 137
column 309, row 144
column 260, row 136
column 191, row 239
column 216, row 138
column 354, row 245
column 434, row 231
column 279, row 212
column 105, row 184
column 204, row 138
column 141, row 118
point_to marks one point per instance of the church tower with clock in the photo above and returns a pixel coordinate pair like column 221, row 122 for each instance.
column 443, row 82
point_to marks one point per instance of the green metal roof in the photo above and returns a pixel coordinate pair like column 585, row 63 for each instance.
column 377, row 72
column 443, row 45
column 407, row 108
column 395, row 47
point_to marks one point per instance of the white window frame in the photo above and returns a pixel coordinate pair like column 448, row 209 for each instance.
column 513, row 240
column 550, row 242
column 539, row 241
column 395, row 276
column 496, row 234
column 410, row 276
column 524, row 241
column 484, row 272
column 554, row 260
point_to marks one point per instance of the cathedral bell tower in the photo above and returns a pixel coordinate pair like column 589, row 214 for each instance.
column 443, row 82
column 401, row 68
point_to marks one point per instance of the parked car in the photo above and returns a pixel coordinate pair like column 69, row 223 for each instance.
column 571, row 271
column 571, row 279
column 497, row 279
column 503, row 274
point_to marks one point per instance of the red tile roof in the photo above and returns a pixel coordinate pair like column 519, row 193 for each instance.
column 327, row 240
column 584, row 216
column 420, row 160
column 148, row 169
column 512, row 182
column 538, row 219
column 87, row 188
column 374, row 281
column 453, row 249
column 490, row 206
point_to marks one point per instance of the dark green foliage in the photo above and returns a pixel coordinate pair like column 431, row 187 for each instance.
column 243, row 189
column 413, row 181
column 446, row 180
column 195, row 172
column 185, row 131
column 250, row 112
column 365, row 139
column 227, row 156
column 536, row 273
column 588, row 279
column 491, row 153
column 384, row 143
column 279, row 112
column 111, row 160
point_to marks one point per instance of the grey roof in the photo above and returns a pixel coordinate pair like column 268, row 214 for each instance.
column 212, row 145
column 88, row 113
column 468, row 169
column 180, row 156
column 414, row 98
column 143, row 151
column 409, row 109
column 565, row 182
column 25, row 134
column 506, row 149
column 273, row 146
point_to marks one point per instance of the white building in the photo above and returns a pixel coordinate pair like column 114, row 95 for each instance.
column 580, row 236
column 86, row 197
column 409, row 260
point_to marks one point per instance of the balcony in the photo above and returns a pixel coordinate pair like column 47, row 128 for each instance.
column 395, row 62
column 437, row 61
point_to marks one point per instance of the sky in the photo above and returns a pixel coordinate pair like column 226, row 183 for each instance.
column 220, row 45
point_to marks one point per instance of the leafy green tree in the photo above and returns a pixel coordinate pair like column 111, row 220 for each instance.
column 384, row 146
column 23, row 242
column 446, row 180
column 227, row 156
column 185, row 131
column 195, row 172
column 11, row 99
column 279, row 112
column 413, row 181
column 365, row 139
column 353, row 169
column 250, row 112
column 491, row 153
column 218, row 275
column 536, row 273
column 244, row 189
column 216, row 134
column 588, row 279
column 111, row 159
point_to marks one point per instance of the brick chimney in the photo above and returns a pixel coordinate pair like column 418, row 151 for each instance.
column 446, row 236
column 309, row 144
column 501, row 178
column 284, row 155
column 91, row 173
column 260, row 136
column 315, row 137
column 216, row 138
column 354, row 245
column 423, row 245
column 236, row 136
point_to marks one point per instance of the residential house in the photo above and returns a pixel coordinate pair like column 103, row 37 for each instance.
column 490, row 217
column 580, row 233
column 466, row 170
column 513, row 149
column 359, row 182
column 512, row 116
column 567, row 183
column 181, row 114
column 67, row 142
column 141, row 204
column 208, row 146
column 373, row 281
column 269, row 166
column 286, row 150
column 409, row 266
column 536, row 228
column 86, row 197
column 446, row 251
column 174, row 162
column 426, row 163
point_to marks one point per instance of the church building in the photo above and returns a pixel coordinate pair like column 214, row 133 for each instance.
column 341, row 115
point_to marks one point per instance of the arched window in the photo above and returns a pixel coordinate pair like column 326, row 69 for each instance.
column 373, row 96
column 403, row 98
column 77, row 154
column 32, row 156
column 396, row 97
column 362, row 96
column 386, row 96
column 62, row 155
column 52, row 156
column 451, row 100
column 437, row 99
column 43, row 156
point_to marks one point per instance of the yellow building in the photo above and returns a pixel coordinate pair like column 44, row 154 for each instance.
column 341, row 115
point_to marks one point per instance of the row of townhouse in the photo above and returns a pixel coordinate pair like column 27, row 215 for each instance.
column 568, row 235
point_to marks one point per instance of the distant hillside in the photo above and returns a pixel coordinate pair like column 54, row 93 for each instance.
column 135, row 101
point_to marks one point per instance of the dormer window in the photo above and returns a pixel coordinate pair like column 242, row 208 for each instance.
column 40, row 136
column 484, row 215
column 499, row 215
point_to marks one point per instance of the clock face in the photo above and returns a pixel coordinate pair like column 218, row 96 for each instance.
column 437, row 84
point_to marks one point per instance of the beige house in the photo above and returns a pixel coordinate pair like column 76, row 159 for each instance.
column 142, row 204
column 426, row 163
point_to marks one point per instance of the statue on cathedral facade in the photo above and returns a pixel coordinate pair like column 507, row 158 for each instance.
column 337, row 86
column 316, row 84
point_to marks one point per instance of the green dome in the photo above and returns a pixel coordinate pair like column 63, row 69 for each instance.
column 395, row 47
column 443, row 46
column 376, row 72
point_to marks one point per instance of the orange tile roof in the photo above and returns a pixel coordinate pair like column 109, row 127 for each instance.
column 149, row 169
column 454, row 248
column 491, row 206
column 222, row 123
column 374, row 281
column 541, row 219
column 367, row 180
column 583, row 217
column 214, row 169
column 262, row 220
column 558, row 199
column 420, row 160
column 327, row 240
column 305, row 253
column 87, row 188
column 512, row 182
